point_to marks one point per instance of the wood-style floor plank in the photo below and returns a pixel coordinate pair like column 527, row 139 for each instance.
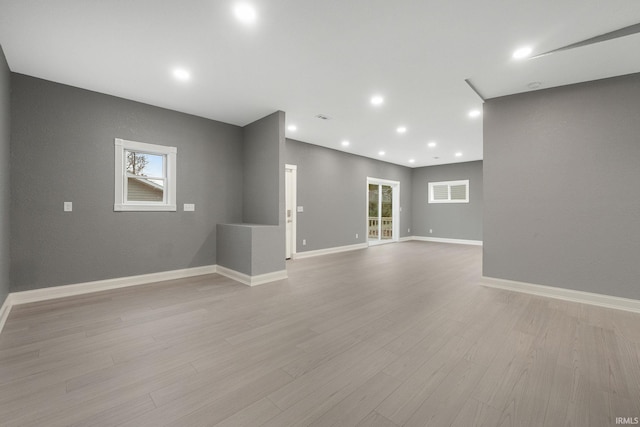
column 394, row 335
column 253, row 415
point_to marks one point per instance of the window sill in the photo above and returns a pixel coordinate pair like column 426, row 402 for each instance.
column 144, row 208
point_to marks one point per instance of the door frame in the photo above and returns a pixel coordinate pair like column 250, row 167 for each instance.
column 294, row 214
column 395, row 185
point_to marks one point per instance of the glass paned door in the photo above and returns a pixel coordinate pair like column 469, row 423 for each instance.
column 380, row 220
column 374, row 212
column 386, row 213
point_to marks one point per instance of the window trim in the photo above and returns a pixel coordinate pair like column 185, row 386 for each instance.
column 448, row 184
column 120, row 202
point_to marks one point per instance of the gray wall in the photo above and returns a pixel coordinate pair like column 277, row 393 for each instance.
column 5, row 138
column 332, row 188
column 263, row 146
column 258, row 249
column 251, row 249
column 63, row 150
column 263, row 191
column 561, row 175
column 267, row 250
column 234, row 247
column 448, row 220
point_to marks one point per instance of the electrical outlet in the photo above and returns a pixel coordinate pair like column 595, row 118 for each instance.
column 356, row 235
column 68, row 206
column 304, row 242
column 408, row 230
column 189, row 207
column 430, row 231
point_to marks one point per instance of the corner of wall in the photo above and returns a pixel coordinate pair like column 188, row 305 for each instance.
column 5, row 194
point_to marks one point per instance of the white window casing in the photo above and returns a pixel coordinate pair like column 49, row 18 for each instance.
column 449, row 191
column 167, row 180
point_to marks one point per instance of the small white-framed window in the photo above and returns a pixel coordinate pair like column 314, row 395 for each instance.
column 449, row 191
column 145, row 176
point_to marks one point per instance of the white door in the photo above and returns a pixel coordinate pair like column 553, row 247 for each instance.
column 290, row 209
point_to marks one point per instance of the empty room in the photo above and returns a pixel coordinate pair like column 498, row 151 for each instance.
column 297, row 213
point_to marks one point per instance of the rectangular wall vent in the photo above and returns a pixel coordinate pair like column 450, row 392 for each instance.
column 449, row 192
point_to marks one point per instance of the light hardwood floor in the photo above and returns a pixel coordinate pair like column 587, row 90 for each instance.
column 393, row 335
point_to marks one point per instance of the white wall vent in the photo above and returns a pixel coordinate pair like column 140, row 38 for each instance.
column 449, row 192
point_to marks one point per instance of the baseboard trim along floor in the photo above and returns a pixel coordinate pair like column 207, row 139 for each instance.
column 43, row 294
column 590, row 298
column 338, row 249
column 4, row 311
column 24, row 297
column 256, row 280
column 446, row 240
column 328, row 251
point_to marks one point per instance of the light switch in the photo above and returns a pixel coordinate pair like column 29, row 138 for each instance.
column 68, row 206
column 300, row 209
column 189, row 207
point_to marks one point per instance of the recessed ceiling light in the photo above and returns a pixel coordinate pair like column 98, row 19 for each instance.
column 522, row 52
column 474, row 113
column 431, row 144
column 412, row 160
column 181, row 74
column 345, row 143
column 401, row 129
column 380, row 153
column 458, row 154
column 377, row 100
column 292, row 128
column 245, row 13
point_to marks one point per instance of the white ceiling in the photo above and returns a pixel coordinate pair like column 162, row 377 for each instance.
column 324, row 57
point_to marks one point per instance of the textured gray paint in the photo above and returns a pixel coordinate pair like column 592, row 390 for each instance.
column 63, row 150
column 5, row 138
column 332, row 188
column 263, row 191
column 234, row 247
column 561, row 176
column 448, row 220
column 254, row 248
column 250, row 248
column 262, row 161
column 267, row 250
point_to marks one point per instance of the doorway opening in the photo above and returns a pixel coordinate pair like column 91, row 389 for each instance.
column 383, row 211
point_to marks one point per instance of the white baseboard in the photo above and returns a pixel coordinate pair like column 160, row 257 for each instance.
column 327, row 251
column 43, row 294
column 4, row 311
column 103, row 285
column 445, row 240
column 600, row 300
column 259, row 279
column 365, row 245
column 381, row 242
